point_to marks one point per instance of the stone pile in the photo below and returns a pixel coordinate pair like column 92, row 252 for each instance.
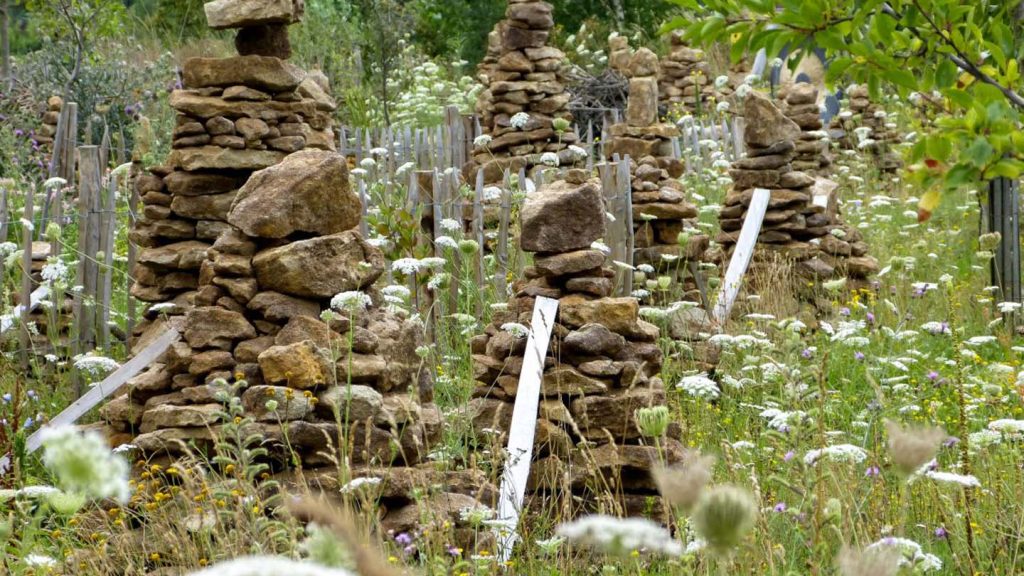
column 685, row 83
column 48, row 127
column 802, row 108
column 522, row 75
column 235, row 115
column 661, row 212
column 264, row 284
column 797, row 227
column 620, row 54
column 881, row 136
column 603, row 363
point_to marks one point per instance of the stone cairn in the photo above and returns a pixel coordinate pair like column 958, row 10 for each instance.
column 522, row 74
column 883, row 133
column 796, row 228
column 235, row 115
column 602, row 365
column 685, row 83
column 338, row 385
column 661, row 211
column 620, row 54
column 48, row 127
column 812, row 147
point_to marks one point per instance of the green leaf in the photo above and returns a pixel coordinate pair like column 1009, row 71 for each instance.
column 945, row 73
column 961, row 175
column 979, row 153
column 1006, row 168
column 938, row 147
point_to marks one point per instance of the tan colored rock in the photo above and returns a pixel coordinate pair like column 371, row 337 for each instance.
column 261, row 72
column 217, row 158
column 212, row 327
column 320, row 267
column 765, row 124
column 276, row 403
column 297, row 365
column 307, row 192
column 187, row 416
column 562, row 217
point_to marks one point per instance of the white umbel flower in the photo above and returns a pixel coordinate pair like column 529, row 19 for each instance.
column 837, row 453
column 269, row 566
column 519, row 120
column 699, row 386
column 965, row 480
column 84, row 465
column 620, row 535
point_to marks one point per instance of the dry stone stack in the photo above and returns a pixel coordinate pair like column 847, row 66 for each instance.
column 880, row 134
column 802, row 108
column 48, row 127
column 603, row 362
column 263, row 314
column 522, row 76
column 235, row 116
column 796, row 228
column 663, row 219
column 685, row 82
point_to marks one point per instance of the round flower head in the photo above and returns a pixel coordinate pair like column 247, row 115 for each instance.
column 724, row 516
column 682, row 485
column 911, row 449
column 83, row 464
column 652, row 421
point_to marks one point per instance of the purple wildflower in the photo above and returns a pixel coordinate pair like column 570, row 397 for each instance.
column 870, row 317
column 872, row 472
column 403, row 539
column 807, row 353
column 780, row 507
column 844, row 311
column 858, row 356
column 789, row 456
column 941, row 533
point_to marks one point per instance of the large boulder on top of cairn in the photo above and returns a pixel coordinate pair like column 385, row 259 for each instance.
column 222, row 14
column 563, row 217
column 308, row 192
column 319, row 267
column 771, row 126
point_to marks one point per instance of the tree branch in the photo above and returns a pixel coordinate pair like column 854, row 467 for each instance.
column 960, row 59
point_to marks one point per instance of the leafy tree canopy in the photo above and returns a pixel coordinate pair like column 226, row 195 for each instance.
column 962, row 57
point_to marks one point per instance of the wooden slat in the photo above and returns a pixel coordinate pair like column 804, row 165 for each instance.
column 741, row 255
column 37, row 296
column 25, row 337
column 524, row 423
column 107, row 386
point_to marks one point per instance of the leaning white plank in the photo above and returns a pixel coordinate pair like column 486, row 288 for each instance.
column 38, row 295
column 524, row 424
column 108, row 385
column 742, row 254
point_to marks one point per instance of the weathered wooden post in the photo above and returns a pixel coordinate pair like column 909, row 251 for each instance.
column 1004, row 218
column 25, row 336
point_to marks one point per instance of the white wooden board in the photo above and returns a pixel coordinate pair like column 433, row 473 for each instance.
column 524, row 425
column 40, row 294
column 107, row 386
column 742, row 254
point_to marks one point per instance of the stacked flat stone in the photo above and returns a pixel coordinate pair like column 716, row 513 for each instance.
column 685, row 83
column 264, row 286
column 522, row 74
column 796, row 228
column 883, row 133
column 48, row 127
column 620, row 54
column 603, row 362
column 661, row 211
column 235, row 115
column 802, row 108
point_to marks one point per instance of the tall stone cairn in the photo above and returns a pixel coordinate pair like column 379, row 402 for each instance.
column 685, row 82
column 883, row 132
column 661, row 211
column 290, row 245
column 602, row 365
column 796, row 228
column 235, row 116
column 522, row 74
column 802, row 108
column 620, row 54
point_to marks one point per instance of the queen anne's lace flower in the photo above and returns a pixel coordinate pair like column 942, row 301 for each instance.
column 519, row 120
column 837, row 453
column 95, row 365
column 620, row 535
column 699, row 386
column 352, row 301
column 84, row 465
column 269, row 566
